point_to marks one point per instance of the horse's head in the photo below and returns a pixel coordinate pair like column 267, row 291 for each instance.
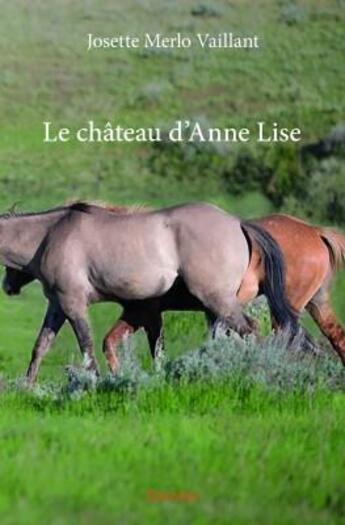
column 14, row 281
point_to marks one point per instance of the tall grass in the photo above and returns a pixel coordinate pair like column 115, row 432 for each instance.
column 229, row 366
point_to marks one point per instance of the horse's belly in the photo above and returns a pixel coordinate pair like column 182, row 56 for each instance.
column 134, row 285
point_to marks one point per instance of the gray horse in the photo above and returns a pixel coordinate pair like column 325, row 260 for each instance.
column 84, row 253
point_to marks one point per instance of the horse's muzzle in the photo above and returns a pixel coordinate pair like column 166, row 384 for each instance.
column 8, row 289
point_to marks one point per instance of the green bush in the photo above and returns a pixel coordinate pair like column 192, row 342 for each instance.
column 198, row 164
column 324, row 194
column 308, row 182
column 246, row 174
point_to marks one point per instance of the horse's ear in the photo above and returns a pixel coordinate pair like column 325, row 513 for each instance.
column 13, row 209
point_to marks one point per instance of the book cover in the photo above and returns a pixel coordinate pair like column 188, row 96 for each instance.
column 172, row 195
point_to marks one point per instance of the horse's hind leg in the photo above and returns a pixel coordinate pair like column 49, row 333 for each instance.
column 245, row 322
column 228, row 315
column 322, row 313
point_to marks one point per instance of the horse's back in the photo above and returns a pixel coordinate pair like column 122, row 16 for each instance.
column 134, row 256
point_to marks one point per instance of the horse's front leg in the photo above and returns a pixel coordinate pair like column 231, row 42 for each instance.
column 123, row 328
column 53, row 321
column 82, row 330
column 74, row 304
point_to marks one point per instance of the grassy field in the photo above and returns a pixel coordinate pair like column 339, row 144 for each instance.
column 245, row 458
column 258, row 436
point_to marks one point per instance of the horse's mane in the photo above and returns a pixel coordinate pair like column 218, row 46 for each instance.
column 12, row 212
column 87, row 207
column 81, row 206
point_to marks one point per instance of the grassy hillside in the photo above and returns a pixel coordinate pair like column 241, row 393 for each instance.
column 295, row 78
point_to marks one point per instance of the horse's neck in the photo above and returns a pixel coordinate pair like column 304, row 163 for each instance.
column 21, row 236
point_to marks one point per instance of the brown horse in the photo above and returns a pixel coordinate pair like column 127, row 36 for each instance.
column 84, row 254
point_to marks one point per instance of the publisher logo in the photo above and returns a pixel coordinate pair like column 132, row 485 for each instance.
column 179, row 496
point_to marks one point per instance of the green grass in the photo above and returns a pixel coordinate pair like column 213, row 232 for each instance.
column 244, row 451
column 245, row 458
column 248, row 453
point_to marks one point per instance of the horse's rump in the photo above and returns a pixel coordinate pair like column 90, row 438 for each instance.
column 335, row 243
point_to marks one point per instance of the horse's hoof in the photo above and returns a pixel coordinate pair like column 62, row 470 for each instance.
column 29, row 384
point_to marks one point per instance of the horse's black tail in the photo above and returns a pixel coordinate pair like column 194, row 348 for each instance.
column 273, row 285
